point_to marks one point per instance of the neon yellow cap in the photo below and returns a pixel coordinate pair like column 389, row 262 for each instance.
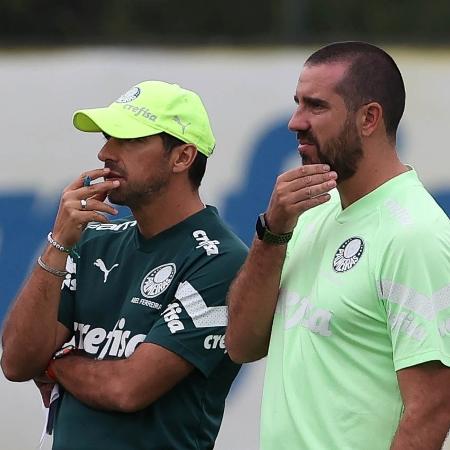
column 149, row 108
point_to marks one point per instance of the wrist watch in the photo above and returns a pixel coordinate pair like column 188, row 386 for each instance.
column 265, row 235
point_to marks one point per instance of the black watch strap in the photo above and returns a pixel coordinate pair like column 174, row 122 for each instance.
column 265, row 235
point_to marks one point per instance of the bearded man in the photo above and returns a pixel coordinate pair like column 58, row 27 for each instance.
column 354, row 312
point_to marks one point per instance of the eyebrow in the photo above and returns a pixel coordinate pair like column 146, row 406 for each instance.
column 312, row 101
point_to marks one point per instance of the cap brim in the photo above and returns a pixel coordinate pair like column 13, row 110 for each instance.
column 112, row 122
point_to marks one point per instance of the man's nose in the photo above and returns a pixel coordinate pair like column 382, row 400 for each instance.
column 107, row 151
column 298, row 121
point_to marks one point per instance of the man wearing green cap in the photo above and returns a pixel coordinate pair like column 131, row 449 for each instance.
column 142, row 300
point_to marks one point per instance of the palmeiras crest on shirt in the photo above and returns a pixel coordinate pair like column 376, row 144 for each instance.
column 348, row 254
column 129, row 96
column 158, row 280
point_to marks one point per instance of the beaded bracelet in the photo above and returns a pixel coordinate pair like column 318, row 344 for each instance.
column 69, row 250
column 52, row 270
column 56, row 244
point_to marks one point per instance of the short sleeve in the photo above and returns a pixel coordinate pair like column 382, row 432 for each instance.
column 68, row 290
column 193, row 324
column 414, row 286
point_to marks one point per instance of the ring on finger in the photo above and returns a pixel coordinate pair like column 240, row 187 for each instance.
column 83, row 203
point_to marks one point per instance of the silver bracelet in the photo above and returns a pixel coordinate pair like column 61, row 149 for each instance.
column 56, row 244
column 52, row 270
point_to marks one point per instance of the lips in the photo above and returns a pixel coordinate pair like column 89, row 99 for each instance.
column 113, row 176
column 303, row 146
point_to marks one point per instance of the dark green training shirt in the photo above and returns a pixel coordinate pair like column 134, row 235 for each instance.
column 168, row 290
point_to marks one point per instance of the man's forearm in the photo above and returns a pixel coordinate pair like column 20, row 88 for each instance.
column 423, row 432
column 29, row 334
column 94, row 383
column 253, row 296
column 252, row 301
column 31, row 331
column 125, row 385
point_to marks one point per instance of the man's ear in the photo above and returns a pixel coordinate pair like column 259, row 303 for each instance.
column 182, row 157
column 371, row 118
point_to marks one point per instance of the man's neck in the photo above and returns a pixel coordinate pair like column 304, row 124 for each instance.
column 166, row 211
column 372, row 173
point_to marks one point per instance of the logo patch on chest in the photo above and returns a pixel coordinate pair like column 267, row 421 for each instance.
column 158, row 280
column 348, row 254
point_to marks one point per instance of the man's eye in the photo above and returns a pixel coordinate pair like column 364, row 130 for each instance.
column 318, row 107
column 106, row 136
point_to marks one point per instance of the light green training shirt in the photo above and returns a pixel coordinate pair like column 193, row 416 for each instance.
column 365, row 292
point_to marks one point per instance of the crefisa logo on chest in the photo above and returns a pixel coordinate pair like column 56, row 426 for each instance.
column 158, row 280
column 348, row 254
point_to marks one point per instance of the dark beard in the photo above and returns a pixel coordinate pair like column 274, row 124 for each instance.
column 137, row 195
column 343, row 153
column 135, row 198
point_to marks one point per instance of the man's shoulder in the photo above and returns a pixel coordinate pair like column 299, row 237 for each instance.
column 413, row 228
column 413, row 214
column 209, row 248
column 211, row 228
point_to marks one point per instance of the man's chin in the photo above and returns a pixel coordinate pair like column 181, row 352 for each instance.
column 309, row 158
column 307, row 161
column 115, row 200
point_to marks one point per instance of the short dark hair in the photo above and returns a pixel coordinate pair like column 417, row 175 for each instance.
column 372, row 75
column 198, row 167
